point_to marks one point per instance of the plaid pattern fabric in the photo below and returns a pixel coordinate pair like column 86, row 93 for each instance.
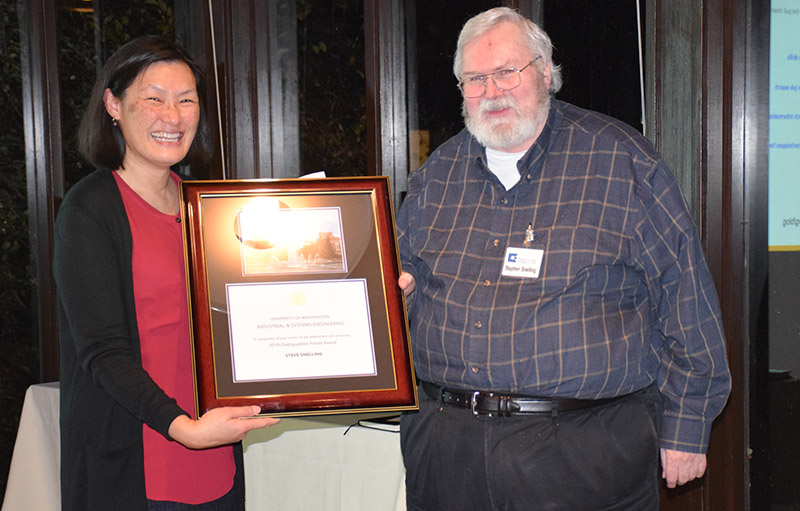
column 623, row 297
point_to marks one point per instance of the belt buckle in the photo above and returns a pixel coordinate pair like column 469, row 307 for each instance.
column 474, row 404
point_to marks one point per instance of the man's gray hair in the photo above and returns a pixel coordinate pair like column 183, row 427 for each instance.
column 537, row 39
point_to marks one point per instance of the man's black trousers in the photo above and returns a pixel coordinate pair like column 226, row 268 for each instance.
column 599, row 458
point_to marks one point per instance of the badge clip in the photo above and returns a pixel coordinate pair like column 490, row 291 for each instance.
column 529, row 236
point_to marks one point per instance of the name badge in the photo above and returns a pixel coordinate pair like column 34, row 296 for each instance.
column 522, row 262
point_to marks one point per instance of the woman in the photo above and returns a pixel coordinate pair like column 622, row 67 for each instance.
column 127, row 440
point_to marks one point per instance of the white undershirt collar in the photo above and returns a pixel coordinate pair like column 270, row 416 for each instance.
column 504, row 165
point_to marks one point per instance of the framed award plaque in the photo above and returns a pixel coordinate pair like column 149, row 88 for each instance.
column 293, row 295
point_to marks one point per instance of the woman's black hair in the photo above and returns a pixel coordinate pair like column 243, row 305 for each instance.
column 99, row 140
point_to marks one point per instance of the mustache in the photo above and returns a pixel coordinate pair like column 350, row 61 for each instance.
column 490, row 105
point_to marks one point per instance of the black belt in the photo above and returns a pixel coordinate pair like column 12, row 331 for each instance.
column 492, row 404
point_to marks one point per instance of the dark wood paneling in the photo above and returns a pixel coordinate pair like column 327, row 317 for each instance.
column 44, row 165
column 756, row 178
column 725, row 31
column 245, row 34
column 386, row 102
column 718, row 191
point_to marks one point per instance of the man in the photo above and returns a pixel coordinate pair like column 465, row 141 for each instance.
column 563, row 320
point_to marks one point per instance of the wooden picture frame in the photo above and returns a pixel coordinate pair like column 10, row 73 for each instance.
column 292, row 288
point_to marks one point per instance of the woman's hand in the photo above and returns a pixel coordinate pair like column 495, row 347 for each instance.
column 219, row 426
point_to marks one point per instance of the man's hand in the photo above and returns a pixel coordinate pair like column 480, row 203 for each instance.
column 219, row 426
column 679, row 467
column 407, row 283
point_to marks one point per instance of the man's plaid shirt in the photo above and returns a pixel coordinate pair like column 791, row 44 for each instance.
column 623, row 298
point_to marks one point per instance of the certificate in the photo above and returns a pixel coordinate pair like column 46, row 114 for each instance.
column 293, row 296
column 312, row 330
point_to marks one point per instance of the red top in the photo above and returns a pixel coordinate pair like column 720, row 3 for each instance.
column 172, row 472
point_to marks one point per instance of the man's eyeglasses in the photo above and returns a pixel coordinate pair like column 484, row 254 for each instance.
column 504, row 79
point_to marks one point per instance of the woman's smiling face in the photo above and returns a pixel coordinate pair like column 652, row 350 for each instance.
column 158, row 115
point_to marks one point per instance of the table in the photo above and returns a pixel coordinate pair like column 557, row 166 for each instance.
column 33, row 477
column 318, row 463
column 323, row 464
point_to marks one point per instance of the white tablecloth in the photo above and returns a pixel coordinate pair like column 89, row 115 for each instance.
column 302, row 463
column 33, row 479
column 319, row 464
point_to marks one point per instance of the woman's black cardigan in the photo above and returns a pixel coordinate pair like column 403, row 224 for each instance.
column 106, row 394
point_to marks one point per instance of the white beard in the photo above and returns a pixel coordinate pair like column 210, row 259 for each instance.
column 506, row 133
